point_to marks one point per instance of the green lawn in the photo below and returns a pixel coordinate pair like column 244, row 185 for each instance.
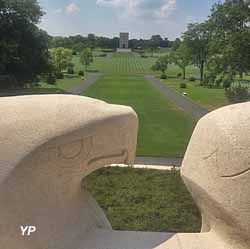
column 130, row 63
column 144, row 200
column 211, row 98
column 68, row 82
column 164, row 129
column 119, row 63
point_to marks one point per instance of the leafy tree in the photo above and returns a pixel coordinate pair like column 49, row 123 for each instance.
column 91, row 41
column 157, row 39
column 230, row 43
column 197, row 38
column 86, row 57
column 78, row 47
column 182, row 58
column 176, row 43
column 61, row 57
column 152, row 46
column 161, row 65
column 23, row 46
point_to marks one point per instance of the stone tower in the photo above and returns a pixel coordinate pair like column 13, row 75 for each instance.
column 124, row 38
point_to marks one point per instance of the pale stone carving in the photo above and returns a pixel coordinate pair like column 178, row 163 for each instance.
column 216, row 170
column 48, row 144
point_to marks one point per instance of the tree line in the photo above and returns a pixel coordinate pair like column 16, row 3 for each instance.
column 219, row 47
column 78, row 43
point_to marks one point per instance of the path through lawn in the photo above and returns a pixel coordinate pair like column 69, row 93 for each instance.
column 164, row 129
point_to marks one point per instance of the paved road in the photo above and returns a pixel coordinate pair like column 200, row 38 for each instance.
column 160, row 161
column 84, row 84
column 184, row 103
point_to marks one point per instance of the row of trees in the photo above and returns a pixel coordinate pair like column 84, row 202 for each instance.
column 61, row 60
column 78, row 43
column 219, row 47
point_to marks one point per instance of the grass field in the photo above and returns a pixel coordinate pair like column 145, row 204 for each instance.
column 130, row 64
column 119, row 63
column 68, row 82
column 211, row 98
column 164, row 129
column 144, row 200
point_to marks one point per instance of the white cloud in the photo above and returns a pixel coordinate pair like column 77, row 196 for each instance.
column 72, row 8
column 157, row 9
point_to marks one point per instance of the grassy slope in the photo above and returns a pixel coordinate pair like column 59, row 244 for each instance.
column 144, row 200
column 67, row 82
column 207, row 97
column 164, row 129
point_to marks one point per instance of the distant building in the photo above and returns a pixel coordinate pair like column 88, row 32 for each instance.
column 124, row 38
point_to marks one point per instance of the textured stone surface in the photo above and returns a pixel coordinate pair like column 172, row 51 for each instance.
column 216, row 170
column 48, row 145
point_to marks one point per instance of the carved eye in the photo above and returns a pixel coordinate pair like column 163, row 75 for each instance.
column 71, row 150
column 233, row 164
column 74, row 149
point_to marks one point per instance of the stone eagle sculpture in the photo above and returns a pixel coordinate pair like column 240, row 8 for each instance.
column 49, row 143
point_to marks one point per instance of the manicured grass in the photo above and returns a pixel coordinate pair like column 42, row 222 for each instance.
column 211, row 98
column 119, row 63
column 144, row 200
column 164, row 129
column 68, row 82
column 130, row 63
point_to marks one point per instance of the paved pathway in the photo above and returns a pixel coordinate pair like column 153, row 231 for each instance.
column 159, row 161
column 184, row 103
column 146, row 161
column 141, row 166
column 84, row 84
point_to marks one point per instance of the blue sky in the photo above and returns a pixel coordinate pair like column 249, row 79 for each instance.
column 141, row 18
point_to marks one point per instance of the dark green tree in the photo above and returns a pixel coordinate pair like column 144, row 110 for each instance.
column 86, row 57
column 182, row 58
column 161, row 65
column 23, row 46
column 229, row 26
column 197, row 38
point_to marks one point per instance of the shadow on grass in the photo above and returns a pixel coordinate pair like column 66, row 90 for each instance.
column 92, row 71
column 31, row 91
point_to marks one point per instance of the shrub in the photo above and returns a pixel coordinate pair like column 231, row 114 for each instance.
column 108, row 50
column 51, row 79
column 218, row 81
column 183, row 85
column 70, row 70
column 164, row 76
column 192, row 78
column 139, row 51
column 59, row 75
column 227, row 83
column 144, row 56
column 238, row 94
column 81, row 73
column 103, row 55
column 179, row 75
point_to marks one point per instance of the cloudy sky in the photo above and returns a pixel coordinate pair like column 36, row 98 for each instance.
column 142, row 18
